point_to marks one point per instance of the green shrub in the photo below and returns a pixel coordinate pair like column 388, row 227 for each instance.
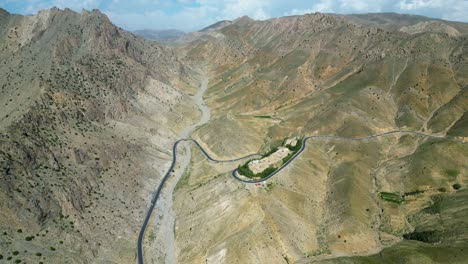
column 245, row 170
column 273, row 150
column 391, row 197
column 435, row 207
column 453, row 173
column 414, row 192
column 425, row 236
column 288, row 157
column 456, row 186
column 15, row 253
column 296, row 147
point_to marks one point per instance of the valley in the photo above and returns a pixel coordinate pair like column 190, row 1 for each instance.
column 118, row 149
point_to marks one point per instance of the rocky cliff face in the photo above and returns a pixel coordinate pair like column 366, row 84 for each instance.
column 88, row 111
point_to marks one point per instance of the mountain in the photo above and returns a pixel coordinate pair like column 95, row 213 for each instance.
column 90, row 113
column 325, row 74
column 152, row 34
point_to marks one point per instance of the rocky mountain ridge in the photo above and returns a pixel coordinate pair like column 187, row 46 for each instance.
column 82, row 106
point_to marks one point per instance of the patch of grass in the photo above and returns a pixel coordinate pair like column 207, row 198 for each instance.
column 425, row 236
column 435, row 207
column 269, row 186
column 296, row 147
column 413, row 192
column 288, row 157
column 151, row 236
column 273, row 150
column 452, row 173
column 262, row 116
column 184, row 180
column 245, row 170
column 392, row 197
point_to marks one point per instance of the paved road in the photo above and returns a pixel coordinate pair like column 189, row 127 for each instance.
column 161, row 185
column 304, row 140
column 234, row 172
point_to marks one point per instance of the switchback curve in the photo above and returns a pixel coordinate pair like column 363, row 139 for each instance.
column 234, row 172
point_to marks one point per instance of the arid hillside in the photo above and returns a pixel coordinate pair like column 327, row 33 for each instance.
column 90, row 112
column 349, row 76
column 88, row 116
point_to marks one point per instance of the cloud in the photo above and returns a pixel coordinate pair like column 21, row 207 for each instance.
column 419, row 4
column 191, row 15
column 296, row 12
column 32, row 6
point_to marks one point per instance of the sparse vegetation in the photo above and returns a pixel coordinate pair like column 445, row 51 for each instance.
column 296, row 147
column 436, row 205
column 452, row 173
column 269, row 186
column 413, row 192
column 245, row 170
column 391, row 197
column 263, row 116
column 425, row 236
column 151, row 236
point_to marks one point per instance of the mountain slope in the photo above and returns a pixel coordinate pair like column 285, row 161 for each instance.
column 324, row 74
column 160, row 35
column 88, row 112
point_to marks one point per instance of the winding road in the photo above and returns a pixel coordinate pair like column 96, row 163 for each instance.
column 234, row 172
column 304, row 140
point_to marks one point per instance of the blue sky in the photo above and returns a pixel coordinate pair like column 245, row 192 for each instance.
column 189, row 15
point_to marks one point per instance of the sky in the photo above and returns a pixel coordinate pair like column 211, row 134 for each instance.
column 191, row 15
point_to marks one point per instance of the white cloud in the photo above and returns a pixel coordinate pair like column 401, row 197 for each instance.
column 195, row 14
column 296, row 12
column 33, row 6
column 419, row 4
column 324, row 6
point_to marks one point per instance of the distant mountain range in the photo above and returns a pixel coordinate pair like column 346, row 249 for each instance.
column 153, row 34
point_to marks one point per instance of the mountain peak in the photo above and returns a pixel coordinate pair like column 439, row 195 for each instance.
column 243, row 19
column 3, row 12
